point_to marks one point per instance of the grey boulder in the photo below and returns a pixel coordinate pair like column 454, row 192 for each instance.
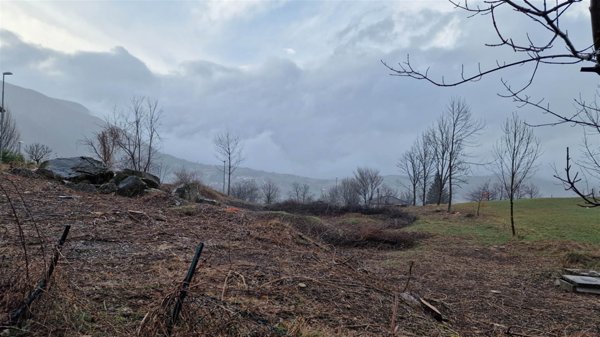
column 131, row 186
column 76, row 169
column 151, row 180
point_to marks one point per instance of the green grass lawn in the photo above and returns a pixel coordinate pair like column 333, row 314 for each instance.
column 535, row 220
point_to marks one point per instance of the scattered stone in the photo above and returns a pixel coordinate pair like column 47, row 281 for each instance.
column 109, row 187
column 131, row 186
column 189, row 191
column 409, row 299
column 150, row 179
column 154, row 191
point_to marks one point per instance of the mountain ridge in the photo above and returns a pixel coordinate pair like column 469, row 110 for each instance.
column 63, row 124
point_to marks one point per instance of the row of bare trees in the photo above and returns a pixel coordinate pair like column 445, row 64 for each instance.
column 492, row 189
column 550, row 45
column 441, row 153
column 364, row 188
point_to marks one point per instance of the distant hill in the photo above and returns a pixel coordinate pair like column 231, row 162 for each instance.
column 57, row 123
column 63, row 124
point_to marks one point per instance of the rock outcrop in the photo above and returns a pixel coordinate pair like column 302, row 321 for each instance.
column 90, row 175
column 76, row 170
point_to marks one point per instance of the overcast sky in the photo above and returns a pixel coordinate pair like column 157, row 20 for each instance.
column 301, row 82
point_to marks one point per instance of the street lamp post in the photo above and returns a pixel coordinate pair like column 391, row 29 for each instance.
column 2, row 110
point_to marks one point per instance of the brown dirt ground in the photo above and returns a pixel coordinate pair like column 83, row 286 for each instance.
column 124, row 260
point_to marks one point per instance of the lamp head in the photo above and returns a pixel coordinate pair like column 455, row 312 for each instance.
column 6, row 73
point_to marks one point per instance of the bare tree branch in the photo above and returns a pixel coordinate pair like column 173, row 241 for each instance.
column 37, row 152
column 571, row 181
column 548, row 49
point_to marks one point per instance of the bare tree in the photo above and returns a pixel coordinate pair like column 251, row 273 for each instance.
column 385, row 193
column 498, row 191
column 229, row 150
column 426, row 161
column 104, row 144
column 479, row 194
column 409, row 164
column 551, row 45
column 300, row 193
column 530, row 191
column 451, row 137
column 138, row 133
column 332, row 195
column 367, row 182
column 388, row 191
column 186, row 176
column 515, row 155
column 440, row 137
column 270, row 192
column 38, row 152
column 245, row 190
column 348, row 189
column 462, row 128
column 10, row 136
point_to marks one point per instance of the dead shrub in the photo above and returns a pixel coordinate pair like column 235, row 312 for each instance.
column 360, row 235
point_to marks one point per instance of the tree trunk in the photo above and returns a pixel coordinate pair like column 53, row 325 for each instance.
column 424, row 191
column 512, row 216
column 450, row 192
column 595, row 16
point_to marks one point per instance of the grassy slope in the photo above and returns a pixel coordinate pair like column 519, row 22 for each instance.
column 558, row 219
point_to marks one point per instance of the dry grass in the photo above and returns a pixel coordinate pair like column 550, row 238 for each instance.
column 269, row 274
column 125, row 258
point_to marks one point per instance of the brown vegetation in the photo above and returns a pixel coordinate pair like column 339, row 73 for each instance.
column 262, row 273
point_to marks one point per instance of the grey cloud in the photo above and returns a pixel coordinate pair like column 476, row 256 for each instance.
column 99, row 78
column 17, row 53
column 320, row 120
